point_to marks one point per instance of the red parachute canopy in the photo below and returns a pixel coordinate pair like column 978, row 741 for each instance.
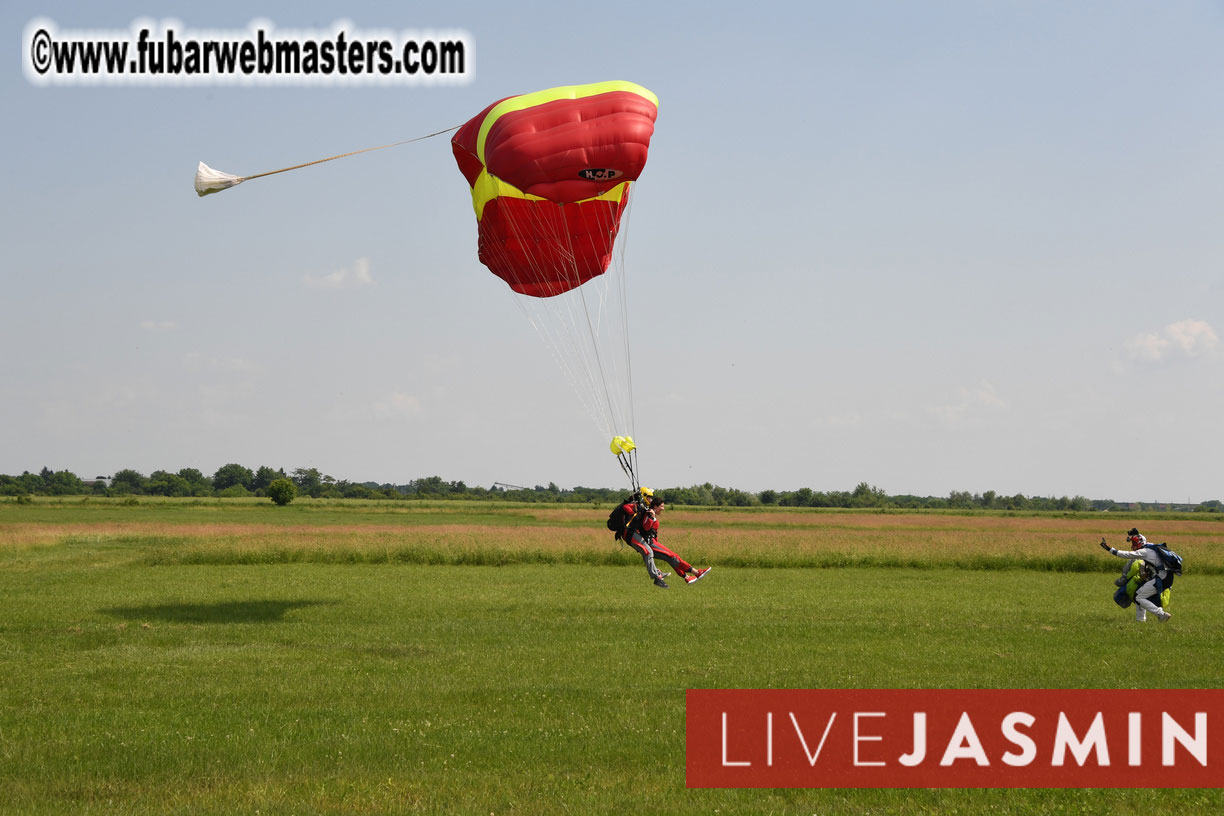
column 550, row 174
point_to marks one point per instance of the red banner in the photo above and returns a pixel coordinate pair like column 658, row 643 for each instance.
column 947, row 738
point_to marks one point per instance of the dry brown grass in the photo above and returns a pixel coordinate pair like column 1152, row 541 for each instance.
column 566, row 534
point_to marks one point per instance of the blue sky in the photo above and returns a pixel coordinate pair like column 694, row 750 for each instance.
column 931, row 246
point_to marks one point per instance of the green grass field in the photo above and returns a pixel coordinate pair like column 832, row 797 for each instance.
column 222, row 658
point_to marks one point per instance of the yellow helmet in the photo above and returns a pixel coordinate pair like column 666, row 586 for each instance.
column 646, row 492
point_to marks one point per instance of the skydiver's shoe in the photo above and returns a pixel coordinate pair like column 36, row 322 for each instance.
column 1162, row 615
column 659, row 582
column 1120, row 581
column 696, row 575
column 664, row 574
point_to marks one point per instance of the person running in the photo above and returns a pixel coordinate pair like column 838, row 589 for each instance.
column 1152, row 577
column 646, row 528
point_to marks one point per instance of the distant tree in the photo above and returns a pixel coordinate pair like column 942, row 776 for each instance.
column 128, row 481
column 237, row 480
column 264, row 476
column 429, row 486
column 192, row 474
column 866, row 495
column 64, row 483
column 331, row 488
column 309, row 481
column 198, row 484
column 232, row 474
column 22, row 485
column 281, row 491
column 161, row 483
column 675, row 495
column 356, row 491
column 32, row 482
column 702, row 493
column 834, row 498
column 960, row 499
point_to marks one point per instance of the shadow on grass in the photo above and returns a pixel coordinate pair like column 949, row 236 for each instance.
column 228, row 612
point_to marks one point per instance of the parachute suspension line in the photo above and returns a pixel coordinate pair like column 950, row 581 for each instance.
column 581, row 344
column 618, row 258
column 620, row 248
column 590, row 328
column 616, row 280
column 627, row 466
column 554, row 318
column 584, row 335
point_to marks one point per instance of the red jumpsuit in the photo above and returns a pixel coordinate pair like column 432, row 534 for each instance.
column 649, row 527
column 633, row 537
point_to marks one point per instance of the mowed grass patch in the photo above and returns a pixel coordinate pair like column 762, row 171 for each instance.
column 531, row 688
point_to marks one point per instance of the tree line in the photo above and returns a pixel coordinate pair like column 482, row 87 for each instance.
column 235, row 480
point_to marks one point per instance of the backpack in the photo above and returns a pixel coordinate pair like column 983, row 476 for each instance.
column 619, row 519
column 1169, row 559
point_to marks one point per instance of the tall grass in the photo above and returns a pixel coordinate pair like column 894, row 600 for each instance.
column 475, row 534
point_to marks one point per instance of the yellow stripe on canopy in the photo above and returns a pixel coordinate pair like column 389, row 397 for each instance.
column 489, row 187
column 517, row 103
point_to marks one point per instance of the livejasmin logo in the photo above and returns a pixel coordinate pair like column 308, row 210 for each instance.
column 981, row 738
